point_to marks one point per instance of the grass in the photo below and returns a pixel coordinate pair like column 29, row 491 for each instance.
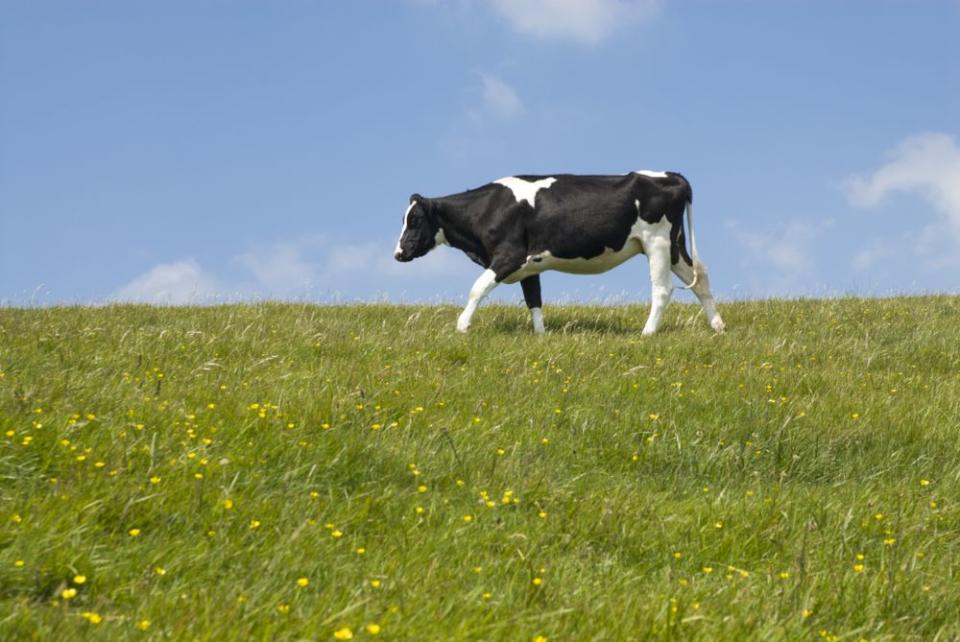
column 287, row 472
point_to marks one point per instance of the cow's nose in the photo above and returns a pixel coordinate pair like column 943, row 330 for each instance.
column 398, row 255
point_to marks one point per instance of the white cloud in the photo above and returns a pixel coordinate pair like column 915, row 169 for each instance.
column 284, row 271
column 925, row 164
column 375, row 258
column 177, row 283
column 788, row 250
column 500, row 99
column 867, row 258
column 281, row 269
column 781, row 259
column 587, row 21
column 367, row 270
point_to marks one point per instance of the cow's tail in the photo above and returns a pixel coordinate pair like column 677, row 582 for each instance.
column 694, row 255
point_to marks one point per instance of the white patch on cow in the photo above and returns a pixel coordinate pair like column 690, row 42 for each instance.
column 536, row 314
column 640, row 233
column 525, row 190
column 403, row 230
column 651, row 174
column 439, row 239
column 652, row 239
column 481, row 288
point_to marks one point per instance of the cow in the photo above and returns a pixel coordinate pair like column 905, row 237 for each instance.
column 519, row 226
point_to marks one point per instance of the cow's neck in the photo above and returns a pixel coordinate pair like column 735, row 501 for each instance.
column 460, row 230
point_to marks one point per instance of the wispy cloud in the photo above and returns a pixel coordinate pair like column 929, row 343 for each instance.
column 928, row 166
column 787, row 250
column 586, row 21
column 781, row 259
column 868, row 257
column 500, row 99
column 925, row 164
column 310, row 269
column 282, row 269
column 177, row 283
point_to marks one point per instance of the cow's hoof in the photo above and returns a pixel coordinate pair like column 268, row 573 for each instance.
column 718, row 325
column 648, row 333
column 462, row 329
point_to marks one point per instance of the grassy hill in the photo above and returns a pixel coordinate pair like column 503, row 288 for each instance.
column 300, row 472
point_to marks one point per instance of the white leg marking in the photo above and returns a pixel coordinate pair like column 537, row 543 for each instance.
column 481, row 288
column 702, row 289
column 657, row 248
column 537, row 315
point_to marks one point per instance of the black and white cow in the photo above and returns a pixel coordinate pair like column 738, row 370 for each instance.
column 520, row 226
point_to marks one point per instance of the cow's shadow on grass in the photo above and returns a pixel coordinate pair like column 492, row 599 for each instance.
column 563, row 324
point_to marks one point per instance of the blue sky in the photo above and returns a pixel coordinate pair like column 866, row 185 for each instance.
column 219, row 150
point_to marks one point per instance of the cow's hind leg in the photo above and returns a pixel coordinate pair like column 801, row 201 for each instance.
column 658, row 251
column 701, row 288
column 531, row 294
column 481, row 288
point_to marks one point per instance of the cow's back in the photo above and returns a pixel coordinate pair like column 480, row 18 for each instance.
column 581, row 216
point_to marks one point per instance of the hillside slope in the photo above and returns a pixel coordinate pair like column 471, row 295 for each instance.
column 285, row 471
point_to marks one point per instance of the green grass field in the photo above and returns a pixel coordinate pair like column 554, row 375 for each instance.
column 295, row 472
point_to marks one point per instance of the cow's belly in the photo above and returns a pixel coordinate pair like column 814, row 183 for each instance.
column 545, row 261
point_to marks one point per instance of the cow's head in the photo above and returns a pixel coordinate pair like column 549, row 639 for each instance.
column 421, row 230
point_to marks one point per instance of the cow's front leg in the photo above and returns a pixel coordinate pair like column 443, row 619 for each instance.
column 531, row 294
column 481, row 288
column 658, row 251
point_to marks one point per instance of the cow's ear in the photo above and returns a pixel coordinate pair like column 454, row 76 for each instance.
column 429, row 207
column 415, row 197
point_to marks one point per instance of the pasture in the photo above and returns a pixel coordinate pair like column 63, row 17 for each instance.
column 295, row 472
